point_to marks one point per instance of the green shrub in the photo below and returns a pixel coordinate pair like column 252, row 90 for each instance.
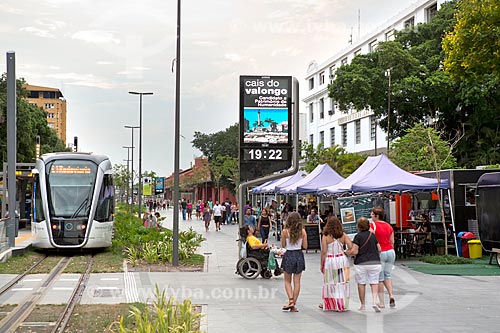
column 439, row 242
column 446, row 260
column 163, row 316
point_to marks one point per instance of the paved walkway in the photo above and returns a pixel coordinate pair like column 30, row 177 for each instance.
column 425, row 303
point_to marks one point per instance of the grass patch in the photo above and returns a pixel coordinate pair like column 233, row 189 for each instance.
column 5, row 309
column 77, row 264
column 19, row 264
column 107, row 262
column 48, row 264
column 450, row 265
column 446, row 260
column 195, row 259
column 98, row 318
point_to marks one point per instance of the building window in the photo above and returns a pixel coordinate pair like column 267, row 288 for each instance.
column 344, row 135
column 311, row 112
column 33, row 94
column 49, row 105
column 410, row 23
column 322, row 78
column 357, row 52
column 357, row 124
column 311, row 139
column 322, row 138
column 332, row 73
column 49, row 94
column 430, row 12
column 372, row 46
column 343, row 61
column 322, row 108
column 332, row 136
column 311, row 83
column 390, row 35
column 51, row 115
column 51, row 125
column 373, row 128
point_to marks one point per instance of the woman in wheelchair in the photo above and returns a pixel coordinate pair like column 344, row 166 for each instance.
column 253, row 242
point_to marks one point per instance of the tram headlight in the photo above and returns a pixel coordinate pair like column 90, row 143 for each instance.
column 84, row 226
column 54, row 226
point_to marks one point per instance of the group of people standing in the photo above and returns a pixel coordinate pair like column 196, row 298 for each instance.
column 374, row 257
column 373, row 249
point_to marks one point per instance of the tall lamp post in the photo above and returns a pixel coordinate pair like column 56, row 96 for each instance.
column 139, row 190
column 175, row 229
column 132, row 128
column 128, row 170
column 388, row 74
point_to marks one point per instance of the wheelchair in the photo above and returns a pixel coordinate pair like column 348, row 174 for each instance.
column 255, row 263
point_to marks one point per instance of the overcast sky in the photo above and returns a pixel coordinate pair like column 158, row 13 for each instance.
column 95, row 51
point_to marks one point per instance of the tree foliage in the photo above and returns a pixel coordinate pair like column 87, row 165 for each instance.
column 336, row 157
column 415, row 150
column 31, row 121
column 473, row 47
column 223, row 143
column 423, row 92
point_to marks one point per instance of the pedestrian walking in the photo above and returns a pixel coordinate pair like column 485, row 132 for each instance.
column 294, row 239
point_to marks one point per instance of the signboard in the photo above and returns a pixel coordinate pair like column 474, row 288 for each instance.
column 352, row 208
column 159, row 185
column 265, row 125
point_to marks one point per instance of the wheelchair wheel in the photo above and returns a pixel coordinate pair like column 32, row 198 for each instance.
column 266, row 274
column 249, row 268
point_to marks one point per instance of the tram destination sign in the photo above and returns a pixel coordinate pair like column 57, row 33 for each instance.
column 265, row 125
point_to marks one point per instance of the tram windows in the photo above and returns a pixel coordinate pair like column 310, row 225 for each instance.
column 105, row 206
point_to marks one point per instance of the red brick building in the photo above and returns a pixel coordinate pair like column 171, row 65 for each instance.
column 196, row 184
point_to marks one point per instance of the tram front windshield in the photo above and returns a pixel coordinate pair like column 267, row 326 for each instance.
column 70, row 185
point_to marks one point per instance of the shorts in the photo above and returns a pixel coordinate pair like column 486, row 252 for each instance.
column 217, row 219
column 367, row 273
column 293, row 262
column 387, row 259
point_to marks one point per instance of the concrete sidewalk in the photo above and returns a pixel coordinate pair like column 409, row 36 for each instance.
column 424, row 302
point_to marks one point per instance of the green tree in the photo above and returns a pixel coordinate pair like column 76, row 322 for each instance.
column 472, row 48
column 422, row 148
column 220, row 143
column 121, row 177
column 336, row 157
column 31, row 121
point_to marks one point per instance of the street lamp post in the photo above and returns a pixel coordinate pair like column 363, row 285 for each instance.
column 132, row 163
column 388, row 74
column 139, row 190
column 128, row 170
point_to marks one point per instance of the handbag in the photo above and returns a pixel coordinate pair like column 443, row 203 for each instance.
column 271, row 262
column 243, row 250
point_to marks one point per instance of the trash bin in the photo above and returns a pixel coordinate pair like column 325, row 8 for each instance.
column 475, row 249
column 465, row 246
column 459, row 243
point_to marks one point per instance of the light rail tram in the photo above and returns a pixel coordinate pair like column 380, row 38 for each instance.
column 73, row 201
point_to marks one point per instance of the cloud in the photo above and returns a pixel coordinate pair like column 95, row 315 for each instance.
column 233, row 57
column 104, row 62
column 38, row 32
column 9, row 9
column 96, row 36
column 87, row 80
column 51, row 25
column 205, row 43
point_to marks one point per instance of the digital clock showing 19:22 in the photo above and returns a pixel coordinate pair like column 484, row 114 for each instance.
column 265, row 154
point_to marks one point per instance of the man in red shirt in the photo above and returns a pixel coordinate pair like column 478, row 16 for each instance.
column 385, row 236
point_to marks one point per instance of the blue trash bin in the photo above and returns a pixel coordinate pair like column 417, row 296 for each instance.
column 459, row 243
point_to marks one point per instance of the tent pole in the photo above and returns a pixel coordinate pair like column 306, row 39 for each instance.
column 452, row 221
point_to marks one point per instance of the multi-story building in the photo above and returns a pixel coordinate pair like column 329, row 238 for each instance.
column 356, row 130
column 52, row 101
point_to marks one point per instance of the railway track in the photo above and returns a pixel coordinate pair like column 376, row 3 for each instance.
column 22, row 311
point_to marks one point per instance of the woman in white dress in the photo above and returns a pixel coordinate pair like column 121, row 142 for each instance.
column 335, row 267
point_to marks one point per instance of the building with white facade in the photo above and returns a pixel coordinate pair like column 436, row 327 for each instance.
column 356, row 130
